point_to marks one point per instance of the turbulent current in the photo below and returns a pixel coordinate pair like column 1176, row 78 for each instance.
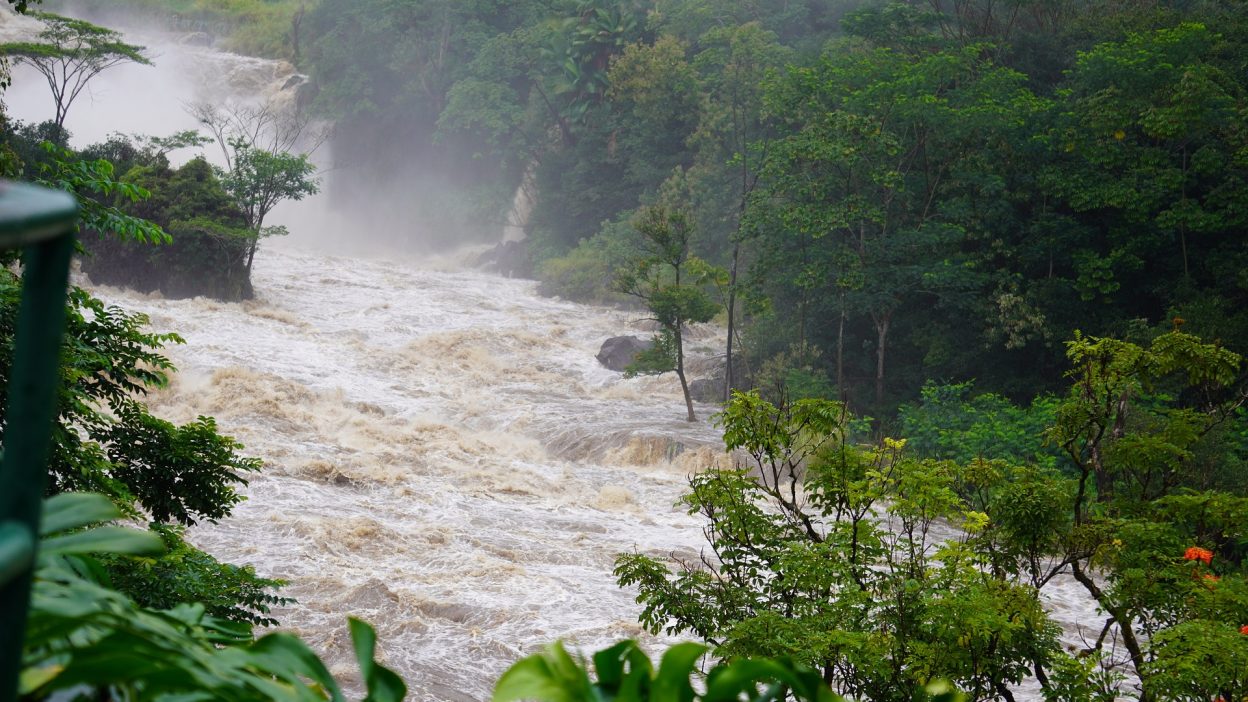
column 444, row 458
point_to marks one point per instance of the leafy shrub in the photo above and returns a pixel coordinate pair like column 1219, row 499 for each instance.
column 949, row 423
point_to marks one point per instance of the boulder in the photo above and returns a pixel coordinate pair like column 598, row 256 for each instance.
column 509, row 259
column 197, row 39
column 707, row 389
column 710, row 387
column 619, row 351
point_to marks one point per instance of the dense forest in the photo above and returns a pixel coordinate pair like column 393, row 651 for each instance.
column 886, row 193
column 981, row 266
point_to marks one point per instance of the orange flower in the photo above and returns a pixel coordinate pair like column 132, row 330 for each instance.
column 1195, row 553
column 1211, row 578
column 1244, row 630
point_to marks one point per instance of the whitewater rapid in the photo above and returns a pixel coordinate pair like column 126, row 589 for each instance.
column 445, row 458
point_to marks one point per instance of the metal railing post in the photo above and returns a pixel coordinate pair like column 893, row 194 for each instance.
column 42, row 221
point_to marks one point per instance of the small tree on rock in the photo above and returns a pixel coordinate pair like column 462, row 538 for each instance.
column 69, row 53
column 259, row 180
column 665, row 278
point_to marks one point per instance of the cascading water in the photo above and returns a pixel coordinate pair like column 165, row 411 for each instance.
column 444, row 456
column 521, row 206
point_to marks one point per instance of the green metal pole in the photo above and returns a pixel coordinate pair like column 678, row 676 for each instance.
column 31, row 402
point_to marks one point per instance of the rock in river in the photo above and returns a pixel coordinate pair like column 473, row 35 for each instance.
column 619, row 351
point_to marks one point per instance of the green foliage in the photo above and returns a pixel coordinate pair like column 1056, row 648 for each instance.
column 258, row 179
column 624, row 672
column 83, row 635
column 948, row 424
column 184, row 573
column 826, row 552
column 654, row 277
column 93, row 184
column 587, row 271
column 177, row 473
column 801, row 566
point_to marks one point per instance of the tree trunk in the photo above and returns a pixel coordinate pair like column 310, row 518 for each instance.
column 732, row 300
column 881, row 328
column 1125, row 627
column 680, row 373
column 564, row 129
column 840, row 353
column 251, row 255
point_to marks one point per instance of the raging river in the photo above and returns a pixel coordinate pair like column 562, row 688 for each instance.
column 444, row 456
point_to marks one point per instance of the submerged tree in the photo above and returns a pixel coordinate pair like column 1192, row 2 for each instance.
column 661, row 278
column 69, row 53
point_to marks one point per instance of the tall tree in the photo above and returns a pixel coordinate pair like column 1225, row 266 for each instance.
column 730, row 145
column 259, row 180
column 69, row 53
column 664, row 278
column 877, row 150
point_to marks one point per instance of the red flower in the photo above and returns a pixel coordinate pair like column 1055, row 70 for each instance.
column 1212, row 578
column 1244, row 630
column 1195, row 553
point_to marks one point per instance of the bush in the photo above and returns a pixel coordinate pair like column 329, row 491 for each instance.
column 208, row 253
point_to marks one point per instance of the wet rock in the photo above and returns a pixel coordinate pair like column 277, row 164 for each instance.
column 619, row 351
column 707, row 389
column 372, row 595
column 509, row 259
column 197, row 39
column 710, row 387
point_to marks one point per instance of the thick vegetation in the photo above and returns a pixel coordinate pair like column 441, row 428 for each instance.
column 896, row 190
column 844, row 558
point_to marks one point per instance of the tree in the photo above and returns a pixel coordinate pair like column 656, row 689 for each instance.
column 70, row 53
column 260, row 170
column 1154, row 520
column 861, row 207
column 656, row 279
column 827, row 553
column 258, row 180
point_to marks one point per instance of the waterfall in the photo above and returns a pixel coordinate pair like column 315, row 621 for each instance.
column 521, row 205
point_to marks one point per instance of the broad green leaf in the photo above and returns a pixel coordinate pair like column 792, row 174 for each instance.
column 71, row 510
column 383, row 684
column 532, row 679
column 116, row 540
